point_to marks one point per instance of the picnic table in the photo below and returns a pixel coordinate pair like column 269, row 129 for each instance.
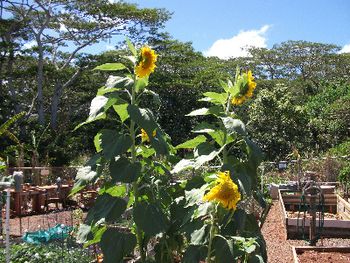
column 32, row 199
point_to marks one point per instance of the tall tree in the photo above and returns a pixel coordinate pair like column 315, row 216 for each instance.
column 61, row 29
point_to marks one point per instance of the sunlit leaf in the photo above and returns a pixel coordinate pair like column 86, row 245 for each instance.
column 110, row 67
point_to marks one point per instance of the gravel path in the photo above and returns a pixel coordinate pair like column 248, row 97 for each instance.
column 278, row 248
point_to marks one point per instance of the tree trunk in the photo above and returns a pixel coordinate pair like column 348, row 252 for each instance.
column 55, row 103
column 10, row 81
column 40, row 80
column 59, row 87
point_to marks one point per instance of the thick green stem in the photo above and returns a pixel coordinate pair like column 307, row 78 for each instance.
column 212, row 233
column 227, row 110
column 135, row 184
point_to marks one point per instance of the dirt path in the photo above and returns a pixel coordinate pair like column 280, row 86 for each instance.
column 278, row 248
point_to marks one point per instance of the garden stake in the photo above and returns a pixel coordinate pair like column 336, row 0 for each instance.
column 8, row 197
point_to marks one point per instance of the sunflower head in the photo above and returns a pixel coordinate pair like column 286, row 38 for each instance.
column 146, row 62
column 246, row 86
column 144, row 135
column 225, row 191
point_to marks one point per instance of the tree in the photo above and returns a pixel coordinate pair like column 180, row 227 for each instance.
column 57, row 24
column 329, row 116
column 277, row 123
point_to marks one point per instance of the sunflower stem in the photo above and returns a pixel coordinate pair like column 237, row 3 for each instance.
column 212, row 232
column 135, row 184
column 227, row 110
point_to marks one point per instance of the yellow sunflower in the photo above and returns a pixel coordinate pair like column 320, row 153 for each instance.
column 147, row 62
column 144, row 135
column 225, row 191
column 246, row 87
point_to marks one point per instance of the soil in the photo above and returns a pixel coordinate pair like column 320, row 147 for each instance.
column 278, row 249
column 18, row 226
column 334, row 257
column 295, row 214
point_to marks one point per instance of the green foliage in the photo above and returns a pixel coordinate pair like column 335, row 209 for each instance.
column 277, row 123
column 344, row 175
column 329, row 115
column 225, row 142
column 54, row 252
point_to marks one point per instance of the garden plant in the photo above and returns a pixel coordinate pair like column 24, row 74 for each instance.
column 141, row 211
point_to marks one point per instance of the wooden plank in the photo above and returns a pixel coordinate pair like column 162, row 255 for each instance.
column 341, row 249
column 295, row 256
column 327, row 223
column 344, row 203
column 283, row 208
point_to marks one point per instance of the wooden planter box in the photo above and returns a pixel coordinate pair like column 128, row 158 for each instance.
column 331, row 227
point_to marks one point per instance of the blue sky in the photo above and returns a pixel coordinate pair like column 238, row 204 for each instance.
column 228, row 25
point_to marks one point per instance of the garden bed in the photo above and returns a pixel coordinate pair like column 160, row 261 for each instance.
column 279, row 248
column 321, row 254
column 335, row 223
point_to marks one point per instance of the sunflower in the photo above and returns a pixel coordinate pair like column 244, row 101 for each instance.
column 225, row 191
column 147, row 62
column 246, row 86
column 144, row 135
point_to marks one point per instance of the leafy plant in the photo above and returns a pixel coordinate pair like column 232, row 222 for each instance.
column 53, row 252
column 222, row 230
column 134, row 157
column 132, row 166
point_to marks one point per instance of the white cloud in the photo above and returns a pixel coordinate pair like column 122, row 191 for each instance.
column 63, row 28
column 237, row 45
column 345, row 49
column 29, row 44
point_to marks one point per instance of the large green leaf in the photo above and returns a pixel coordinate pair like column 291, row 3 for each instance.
column 84, row 233
column 113, row 190
column 122, row 170
column 224, row 250
column 200, row 236
column 97, row 232
column 108, row 207
column 234, row 125
column 97, row 110
column 116, row 245
column 216, row 98
column 141, row 84
column 110, row 67
column 204, row 127
column 190, row 144
column 121, row 109
column 9, row 122
column 144, row 118
column 214, row 110
column 195, row 196
column 195, row 254
column 113, row 143
column 241, row 176
column 150, row 218
column 196, row 162
column 116, row 83
column 131, row 47
column 85, row 175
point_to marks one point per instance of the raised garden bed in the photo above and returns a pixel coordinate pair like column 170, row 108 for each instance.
column 309, row 254
column 336, row 225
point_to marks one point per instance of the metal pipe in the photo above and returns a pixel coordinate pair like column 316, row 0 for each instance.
column 8, row 197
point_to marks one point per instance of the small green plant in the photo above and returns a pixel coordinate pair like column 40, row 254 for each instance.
column 53, row 253
column 344, row 178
